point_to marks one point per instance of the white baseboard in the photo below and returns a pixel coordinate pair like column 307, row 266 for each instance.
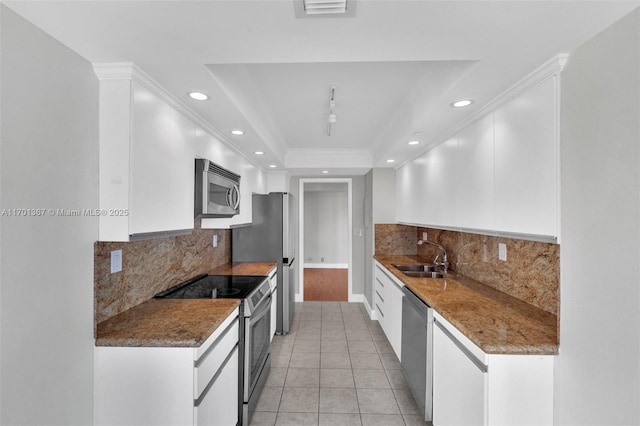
column 327, row 265
column 370, row 311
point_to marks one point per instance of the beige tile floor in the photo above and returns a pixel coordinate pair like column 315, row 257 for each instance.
column 336, row 367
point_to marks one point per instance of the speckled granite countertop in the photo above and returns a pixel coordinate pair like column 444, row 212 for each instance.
column 495, row 321
column 175, row 322
column 245, row 268
column 166, row 322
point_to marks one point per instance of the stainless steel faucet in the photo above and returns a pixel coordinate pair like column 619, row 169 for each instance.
column 445, row 263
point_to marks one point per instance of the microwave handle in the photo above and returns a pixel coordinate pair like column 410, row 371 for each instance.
column 234, row 200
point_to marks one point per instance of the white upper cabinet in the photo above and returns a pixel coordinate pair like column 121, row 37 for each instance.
column 443, row 184
column 499, row 174
column 526, row 152
column 411, row 192
column 148, row 146
column 474, row 192
column 161, row 197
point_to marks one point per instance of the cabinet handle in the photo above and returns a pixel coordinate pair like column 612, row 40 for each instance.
column 381, row 298
column 380, row 310
column 481, row 365
column 380, row 282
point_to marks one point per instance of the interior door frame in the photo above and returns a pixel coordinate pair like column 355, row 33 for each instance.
column 349, row 182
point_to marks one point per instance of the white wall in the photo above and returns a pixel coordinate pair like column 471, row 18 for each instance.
column 49, row 159
column 326, row 233
column 598, row 370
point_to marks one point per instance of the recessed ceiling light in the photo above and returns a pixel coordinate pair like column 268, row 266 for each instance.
column 198, row 96
column 259, row 153
column 237, row 132
column 273, row 166
column 391, row 160
column 414, row 142
column 325, row 172
column 461, row 103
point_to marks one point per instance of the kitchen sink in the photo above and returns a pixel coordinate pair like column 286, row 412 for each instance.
column 424, row 274
column 419, row 267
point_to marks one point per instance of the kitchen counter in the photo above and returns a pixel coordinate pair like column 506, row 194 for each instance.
column 166, row 322
column 494, row 321
column 175, row 322
column 245, row 268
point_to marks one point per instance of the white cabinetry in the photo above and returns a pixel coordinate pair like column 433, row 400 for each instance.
column 471, row 387
column 388, row 305
column 170, row 385
column 498, row 174
column 148, row 145
column 526, row 152
column 146, row 170
column 411, row 191
column 161, row 189
column 474, row 192
column 443, row 184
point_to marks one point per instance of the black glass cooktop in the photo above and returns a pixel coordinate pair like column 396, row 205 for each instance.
column 214, row 286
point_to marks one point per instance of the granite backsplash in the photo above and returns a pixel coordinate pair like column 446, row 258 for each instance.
column 531, row 272
column 151, row 266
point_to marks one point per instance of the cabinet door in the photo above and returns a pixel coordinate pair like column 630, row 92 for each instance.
column 411, row 193
column 161, row 197
column 458, row 384
column 394, row 317
column 443, row 184
column 475, row 184
column 526, row 162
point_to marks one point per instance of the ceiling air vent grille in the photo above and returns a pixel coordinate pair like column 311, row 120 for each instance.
column 324, row 8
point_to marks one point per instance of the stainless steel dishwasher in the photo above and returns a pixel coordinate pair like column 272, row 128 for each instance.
column 417, row 351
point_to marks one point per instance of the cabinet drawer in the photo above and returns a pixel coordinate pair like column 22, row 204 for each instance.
column 213, row 357
column 219, row 406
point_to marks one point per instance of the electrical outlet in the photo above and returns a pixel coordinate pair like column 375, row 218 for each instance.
column 215, row 240
column 502, row 251
column 116, row 261
column 424, row 236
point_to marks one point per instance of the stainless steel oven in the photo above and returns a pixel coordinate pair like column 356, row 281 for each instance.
column 255, row 330
column 257, row 341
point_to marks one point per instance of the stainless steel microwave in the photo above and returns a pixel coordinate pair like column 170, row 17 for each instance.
column 217, row 190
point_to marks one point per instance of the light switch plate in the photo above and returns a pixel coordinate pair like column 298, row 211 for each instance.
column 215, row 240
column 502, row 251
column 116, row 261
column 424, row 236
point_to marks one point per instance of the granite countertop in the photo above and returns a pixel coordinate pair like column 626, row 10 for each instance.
column 245, row 268
column 175, row 322
column 166, row 322
column 494, row 321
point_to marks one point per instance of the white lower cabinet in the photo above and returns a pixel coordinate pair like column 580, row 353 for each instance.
column 471, row 387
column 388, row 301
column 170, row 385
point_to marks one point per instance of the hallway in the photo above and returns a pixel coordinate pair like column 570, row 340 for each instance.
column 336, row 367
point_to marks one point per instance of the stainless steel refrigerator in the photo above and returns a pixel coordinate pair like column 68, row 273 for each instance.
column 272, row 238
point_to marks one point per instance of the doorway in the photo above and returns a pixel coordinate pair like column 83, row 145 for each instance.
column 325, row 239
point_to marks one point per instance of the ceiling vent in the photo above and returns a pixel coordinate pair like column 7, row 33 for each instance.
column 324, row 8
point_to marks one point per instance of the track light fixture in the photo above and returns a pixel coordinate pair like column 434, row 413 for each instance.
column 331, row 118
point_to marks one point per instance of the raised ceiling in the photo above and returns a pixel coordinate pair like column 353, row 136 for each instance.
column 396, row 65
